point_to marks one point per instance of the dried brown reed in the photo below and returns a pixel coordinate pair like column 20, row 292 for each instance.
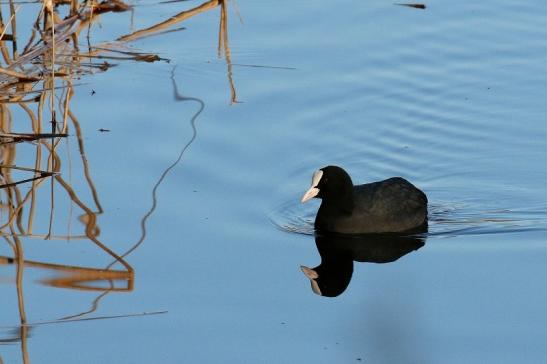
column 37, row 80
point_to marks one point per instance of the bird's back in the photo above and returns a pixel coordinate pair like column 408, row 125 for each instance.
column 392, row 205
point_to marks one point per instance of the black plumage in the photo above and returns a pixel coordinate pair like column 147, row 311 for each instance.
column 388, row 206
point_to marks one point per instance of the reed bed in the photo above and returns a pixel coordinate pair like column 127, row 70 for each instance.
column 39, row 73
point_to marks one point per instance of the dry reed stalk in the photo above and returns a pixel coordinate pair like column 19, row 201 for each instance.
column 23, row 334
column 84, row 160
column 91, row 225
column 54, row 237
column 52, row 61
column 225, row 47
column 140, row 314
column 182, row 16
column 76, row 273
column 13, row 21
column 19, row 75
column 3, row 47
column 4, row 28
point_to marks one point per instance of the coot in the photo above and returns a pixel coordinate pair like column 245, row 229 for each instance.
column 393, row 205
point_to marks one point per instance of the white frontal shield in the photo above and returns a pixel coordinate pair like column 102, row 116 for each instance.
column 313, row 191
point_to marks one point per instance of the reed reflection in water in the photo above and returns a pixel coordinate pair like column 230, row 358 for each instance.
column 39, row 83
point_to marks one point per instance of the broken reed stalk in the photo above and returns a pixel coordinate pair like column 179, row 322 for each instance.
column 3, row 48
column 84, row 160
column 91, row 224
column 13, row 22
column 52, row 95
column 23, row 331
column 225, row 47
column 183, row 15
column 55, row 32
column 109, row 317
column 73, row 276
column 26, row 137
column 7, row 185
column 49, row 7
column 4, row 28
column 93, row 308
column 21, row 76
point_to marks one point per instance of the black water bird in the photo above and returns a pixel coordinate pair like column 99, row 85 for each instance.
column 393, row 205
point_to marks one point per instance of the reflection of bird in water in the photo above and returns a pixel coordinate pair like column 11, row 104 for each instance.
column 332, row 276
column 392, row 205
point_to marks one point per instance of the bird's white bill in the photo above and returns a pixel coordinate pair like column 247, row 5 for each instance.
column 313, row 191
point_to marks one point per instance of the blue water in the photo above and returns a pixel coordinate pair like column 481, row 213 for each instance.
column 451, row 97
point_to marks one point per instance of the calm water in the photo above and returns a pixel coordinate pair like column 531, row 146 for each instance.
column 451, row 98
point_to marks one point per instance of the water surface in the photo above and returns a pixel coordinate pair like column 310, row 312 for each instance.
column 451, row 97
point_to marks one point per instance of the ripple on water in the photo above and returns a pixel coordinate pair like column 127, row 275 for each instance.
column 294, row 217
column 461, row 120
column 445, row 219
